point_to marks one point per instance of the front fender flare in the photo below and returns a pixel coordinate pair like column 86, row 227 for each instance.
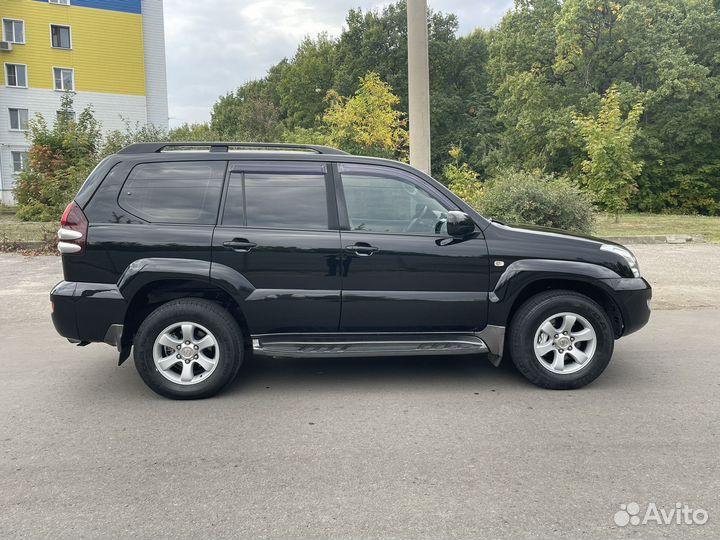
column 524, row 272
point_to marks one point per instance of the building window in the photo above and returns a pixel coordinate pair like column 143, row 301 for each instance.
column 64, row 79
column 60, row 2
column 67, row 116
column 60, row 36
column 13, row 31
column 19, row 161
column 16, row 75
column 18, row 119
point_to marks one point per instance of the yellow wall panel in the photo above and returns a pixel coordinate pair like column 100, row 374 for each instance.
column 107, row 47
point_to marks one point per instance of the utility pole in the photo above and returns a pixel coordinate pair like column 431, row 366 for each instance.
column 418, row 85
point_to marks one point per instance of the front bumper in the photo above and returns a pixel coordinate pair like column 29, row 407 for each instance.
column 632, row 296
column 88, row 312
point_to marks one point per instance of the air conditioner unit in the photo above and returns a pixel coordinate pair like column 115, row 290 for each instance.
column 5, row 46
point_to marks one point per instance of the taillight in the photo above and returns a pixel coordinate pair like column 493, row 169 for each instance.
column 73, row 231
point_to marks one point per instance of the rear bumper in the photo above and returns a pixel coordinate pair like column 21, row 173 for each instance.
column 88, row 312
column 632, row 296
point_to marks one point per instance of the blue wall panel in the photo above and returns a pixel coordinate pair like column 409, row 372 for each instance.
column 125, row 6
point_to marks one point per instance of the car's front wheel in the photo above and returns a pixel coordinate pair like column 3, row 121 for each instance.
column 188, row 349
column 561, row 340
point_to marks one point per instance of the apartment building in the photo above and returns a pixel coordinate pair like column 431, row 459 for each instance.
column 109, row 53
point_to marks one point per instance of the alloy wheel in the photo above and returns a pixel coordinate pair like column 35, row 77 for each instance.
column 186, row 353
column 565, row 343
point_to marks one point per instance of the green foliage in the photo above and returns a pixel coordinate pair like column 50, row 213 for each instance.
column 537, row 199
column 301, row 135
column 610, row 171
column 367, row 123
column 134, row 133
column 306, row 80
column 193, row 132
column 251, row 113
column 290, row 99
column 60, row 158
column 527, row 93
column 552, row 60
column 462, row 179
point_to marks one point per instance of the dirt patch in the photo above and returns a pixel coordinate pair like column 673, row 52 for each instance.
column 682, row 276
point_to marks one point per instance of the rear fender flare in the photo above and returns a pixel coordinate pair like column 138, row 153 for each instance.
column 231, row 281
column 143, row 272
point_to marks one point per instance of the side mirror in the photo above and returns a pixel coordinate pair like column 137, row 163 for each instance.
column 459, row 224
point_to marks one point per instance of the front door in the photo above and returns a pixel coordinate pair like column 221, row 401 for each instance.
column 278, row 229
column 401, row 271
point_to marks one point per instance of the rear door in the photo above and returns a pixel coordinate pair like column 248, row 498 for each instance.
column 401, row 271
column 279, row 228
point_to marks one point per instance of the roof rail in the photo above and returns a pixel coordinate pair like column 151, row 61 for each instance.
column 151, row 148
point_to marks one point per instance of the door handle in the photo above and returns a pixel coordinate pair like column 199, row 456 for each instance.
column 362, row 249
column 240, row 245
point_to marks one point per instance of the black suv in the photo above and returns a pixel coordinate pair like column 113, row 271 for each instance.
column 197, row 255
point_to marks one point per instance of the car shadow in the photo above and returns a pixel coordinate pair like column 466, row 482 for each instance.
column 343, row 373
column 392, row 373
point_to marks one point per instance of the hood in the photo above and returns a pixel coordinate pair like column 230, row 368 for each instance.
column 553, row 231
column 515, row 242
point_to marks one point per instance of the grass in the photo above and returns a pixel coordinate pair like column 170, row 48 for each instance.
column 13, row 230
column 662, row 224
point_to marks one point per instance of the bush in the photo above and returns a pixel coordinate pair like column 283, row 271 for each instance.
column 62, row 156
column 60, row 159
column 42, row 196
column 462, row 180
column 537, row 199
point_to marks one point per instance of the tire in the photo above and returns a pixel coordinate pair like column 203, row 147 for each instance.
column 207, row 349
column 550, row 358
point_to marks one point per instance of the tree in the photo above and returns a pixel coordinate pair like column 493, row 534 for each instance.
column 611, row 168
column 367, row 122
column 461, row 104
column 133, row 133
column 461, row 112
column 534, row 106
column 306, row 80
column 60, row 158
column 462, row 179
column 550, row 60
column 248, row 114
column 288, row 103
column 193, row 132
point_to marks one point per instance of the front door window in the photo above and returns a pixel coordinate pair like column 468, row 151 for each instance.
column 380, row 201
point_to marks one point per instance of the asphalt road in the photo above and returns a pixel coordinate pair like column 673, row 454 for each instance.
column 384, row 448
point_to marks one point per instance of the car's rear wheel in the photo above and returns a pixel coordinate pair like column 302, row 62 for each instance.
column 188, row 349
column 561, row 340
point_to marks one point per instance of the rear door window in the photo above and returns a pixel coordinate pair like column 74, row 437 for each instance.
column 185, row 192
column 281, row 197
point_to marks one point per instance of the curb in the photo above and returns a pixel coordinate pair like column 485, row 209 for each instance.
column 659, row 239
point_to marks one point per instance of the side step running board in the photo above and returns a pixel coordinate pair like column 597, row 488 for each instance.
column 289, row 346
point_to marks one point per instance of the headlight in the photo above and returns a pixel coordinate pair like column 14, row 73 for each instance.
column 625, row 254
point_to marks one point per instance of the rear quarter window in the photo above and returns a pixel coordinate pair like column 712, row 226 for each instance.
column 93, row 181
column 174, row 192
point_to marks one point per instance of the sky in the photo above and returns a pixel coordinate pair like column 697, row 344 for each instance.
column 214, row 46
